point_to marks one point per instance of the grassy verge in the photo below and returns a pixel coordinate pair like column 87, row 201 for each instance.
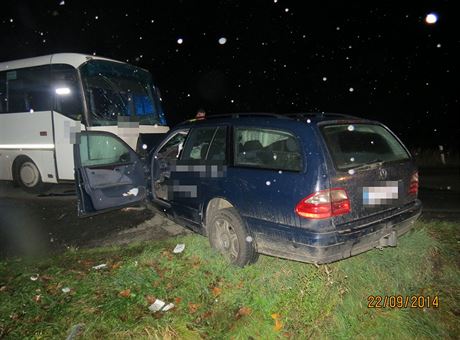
column 273, row 299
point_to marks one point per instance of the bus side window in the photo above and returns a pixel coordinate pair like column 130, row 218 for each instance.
column 25, row 90
column 67, row 94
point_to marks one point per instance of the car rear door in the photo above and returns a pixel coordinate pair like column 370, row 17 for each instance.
column 372, row 165
column 108, row 173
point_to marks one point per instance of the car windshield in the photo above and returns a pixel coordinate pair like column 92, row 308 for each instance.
column 120, row 92
column 355, row 145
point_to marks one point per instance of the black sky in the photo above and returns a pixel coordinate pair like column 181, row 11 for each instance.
column 374, row 59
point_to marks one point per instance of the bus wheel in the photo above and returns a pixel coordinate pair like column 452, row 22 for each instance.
column 27, row 175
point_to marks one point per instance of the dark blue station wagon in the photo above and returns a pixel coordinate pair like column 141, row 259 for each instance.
column 309, row 187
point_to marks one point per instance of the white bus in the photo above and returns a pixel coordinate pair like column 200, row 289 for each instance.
column 45, row 101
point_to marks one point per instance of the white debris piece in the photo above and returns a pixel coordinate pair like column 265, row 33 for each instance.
column 66, row 290
column 160, row 305
column 100, row 266
column 179, row 248
column 168, row 307
column 132, row 192
column 34, row 277
column 157, row 305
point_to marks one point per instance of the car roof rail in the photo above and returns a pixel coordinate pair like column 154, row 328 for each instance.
column 320, row 115
column 248, row 114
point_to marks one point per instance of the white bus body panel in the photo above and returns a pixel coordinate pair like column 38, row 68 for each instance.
column 65, row 130
column 29, row 134
column 44, row 159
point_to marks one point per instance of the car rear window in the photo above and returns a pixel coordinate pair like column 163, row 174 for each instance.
column 353, row 145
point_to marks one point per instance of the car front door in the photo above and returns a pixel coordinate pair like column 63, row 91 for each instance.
column 108, row 173
column 192, row 173
column 188, row 168
column 163, row 165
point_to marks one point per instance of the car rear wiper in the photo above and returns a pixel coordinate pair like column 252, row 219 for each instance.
column 376, row 163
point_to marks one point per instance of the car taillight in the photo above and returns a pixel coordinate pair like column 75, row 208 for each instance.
column 324, row 204
column 413, row 187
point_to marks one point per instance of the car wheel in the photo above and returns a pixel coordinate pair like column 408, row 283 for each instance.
column 228, row 234
column 27, row 175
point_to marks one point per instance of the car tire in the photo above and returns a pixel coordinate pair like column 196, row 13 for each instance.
column 27, row 175
column 228, row 234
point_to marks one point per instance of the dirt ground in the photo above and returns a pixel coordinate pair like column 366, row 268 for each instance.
column 31, row 224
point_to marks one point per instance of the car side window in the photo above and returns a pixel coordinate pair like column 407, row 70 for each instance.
column 102, row 149
column 173, row 147
column 198, row 143
column 267, row 148
column 218, row 149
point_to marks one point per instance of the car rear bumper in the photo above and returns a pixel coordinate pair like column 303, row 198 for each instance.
column 380, row 233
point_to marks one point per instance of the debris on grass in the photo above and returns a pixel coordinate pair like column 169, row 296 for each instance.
column 157, row 305
column 35, row 277
column 169, row 306
column 160, row 305
column 179, row 248
column 65, row 290
column 100, row 266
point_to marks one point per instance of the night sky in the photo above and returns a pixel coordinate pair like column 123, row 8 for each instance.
column 373, row 59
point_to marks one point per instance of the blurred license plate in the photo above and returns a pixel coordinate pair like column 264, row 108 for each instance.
column 386, row 193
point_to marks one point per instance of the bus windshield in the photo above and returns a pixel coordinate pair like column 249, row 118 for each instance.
column 120, row 92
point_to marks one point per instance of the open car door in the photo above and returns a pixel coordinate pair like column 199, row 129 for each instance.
column 108, row 173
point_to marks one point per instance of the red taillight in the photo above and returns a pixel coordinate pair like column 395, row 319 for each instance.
column 324, row 204
column 413, row 187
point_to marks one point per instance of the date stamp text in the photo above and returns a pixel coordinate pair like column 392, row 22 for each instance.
column 400, row 301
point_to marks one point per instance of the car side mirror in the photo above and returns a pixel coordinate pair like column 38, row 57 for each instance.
column 124, row 158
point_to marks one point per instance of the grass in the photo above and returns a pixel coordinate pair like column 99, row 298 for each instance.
column 272, row 299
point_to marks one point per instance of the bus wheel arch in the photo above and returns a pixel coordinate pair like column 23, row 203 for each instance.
column 27, row 175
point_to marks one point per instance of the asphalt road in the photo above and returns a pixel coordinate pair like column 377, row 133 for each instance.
column 31, row 224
